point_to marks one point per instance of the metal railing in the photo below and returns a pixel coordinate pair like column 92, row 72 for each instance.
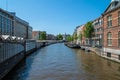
column 10, row 46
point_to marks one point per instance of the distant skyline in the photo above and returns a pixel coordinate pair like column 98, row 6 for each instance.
column 56, row 16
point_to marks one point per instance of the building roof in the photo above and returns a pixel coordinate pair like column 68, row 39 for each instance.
column 6, row 12
column 19, row 19
column 113, row 5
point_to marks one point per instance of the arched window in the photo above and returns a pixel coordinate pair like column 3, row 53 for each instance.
column 109, row 39
column 119, row 38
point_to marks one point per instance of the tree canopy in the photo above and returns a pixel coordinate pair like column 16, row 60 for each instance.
column 43, row 35
column 59, row 37
column 75, row 36
column 88, row 30
column 80, row 36
column 69, row 38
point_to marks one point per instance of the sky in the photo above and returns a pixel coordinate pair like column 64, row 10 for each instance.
column 56, row 16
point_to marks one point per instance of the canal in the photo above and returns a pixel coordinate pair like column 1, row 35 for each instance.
column 58, row 62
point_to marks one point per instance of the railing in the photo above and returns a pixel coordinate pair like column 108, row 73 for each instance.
column 10, row 46
column 30, row 44
column 7, row 50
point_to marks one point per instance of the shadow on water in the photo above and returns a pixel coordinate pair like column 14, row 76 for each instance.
column 58, row 62
column 21, row 70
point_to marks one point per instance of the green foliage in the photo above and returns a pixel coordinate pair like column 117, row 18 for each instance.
column 59, row 37
column 69, row 38
column 80, row 36
column 43, row 35
column 75, row 36
column 88, row 30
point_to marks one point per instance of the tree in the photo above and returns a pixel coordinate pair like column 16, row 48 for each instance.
column 69, row 38
column 59, row 37
column 80, row 36
column 43, row 35
column 88, row 32
column 75, row 36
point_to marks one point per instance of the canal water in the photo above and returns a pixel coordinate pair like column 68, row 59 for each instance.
column 58, row 62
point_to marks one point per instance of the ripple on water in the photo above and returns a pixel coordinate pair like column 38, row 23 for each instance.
column 58, row 62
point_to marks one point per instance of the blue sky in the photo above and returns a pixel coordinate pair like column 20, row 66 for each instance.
column 56, row 16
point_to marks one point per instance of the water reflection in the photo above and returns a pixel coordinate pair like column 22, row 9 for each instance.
column 58, row 62
column 97, row 68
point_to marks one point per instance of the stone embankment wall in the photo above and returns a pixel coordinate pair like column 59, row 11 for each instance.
column 11, row 53
column 101, row 52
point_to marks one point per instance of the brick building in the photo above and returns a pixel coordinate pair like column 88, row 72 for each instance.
column 36, row 35
column 111, row 18
column 50, row 37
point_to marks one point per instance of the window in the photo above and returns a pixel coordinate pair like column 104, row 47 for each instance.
column 109, row 21
column 119, row 39
column 100, row 36
column 109, row 39
column 108, row 54
column 112, row 5
column 100, row 22
column 119, row 18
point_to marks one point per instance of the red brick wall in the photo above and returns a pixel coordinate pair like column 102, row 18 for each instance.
column 114, row 29
column 114, row 18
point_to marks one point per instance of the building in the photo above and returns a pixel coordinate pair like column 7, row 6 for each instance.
column 81, row 40
column 29, row 32
column 97, row 39
column 50, row 37
column 12, row 30
column 75, row 38
column 111, row 18
column 79, row 34
column 65, row 36
column 6, row 23
column 36, row 35
column 21, row 27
